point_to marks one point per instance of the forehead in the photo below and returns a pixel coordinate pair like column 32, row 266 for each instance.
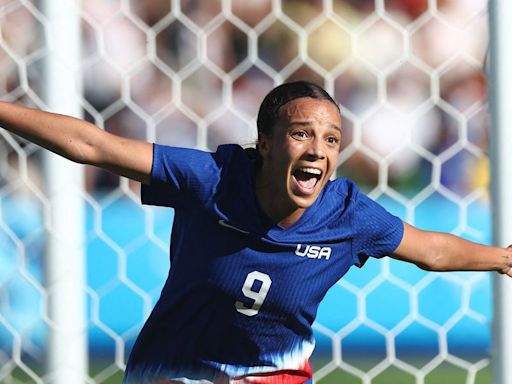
column 309, row 109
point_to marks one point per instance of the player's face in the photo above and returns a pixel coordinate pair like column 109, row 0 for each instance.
column 302, row 152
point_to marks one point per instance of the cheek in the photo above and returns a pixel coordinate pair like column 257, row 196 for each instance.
column 293, row 149
column 286, row 152
column 333, row 161
column 333, row 157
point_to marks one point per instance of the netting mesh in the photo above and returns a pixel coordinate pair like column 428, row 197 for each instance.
column 408, row 75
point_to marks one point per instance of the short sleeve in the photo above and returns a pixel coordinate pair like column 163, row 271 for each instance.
column 181, row 175
column 377, row 232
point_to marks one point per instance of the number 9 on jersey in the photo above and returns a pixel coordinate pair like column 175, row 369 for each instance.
column 256, row 288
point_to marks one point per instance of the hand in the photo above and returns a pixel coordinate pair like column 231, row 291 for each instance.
column 508, row 262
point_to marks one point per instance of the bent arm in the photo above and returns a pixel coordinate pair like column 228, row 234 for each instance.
column 79, row 141
column 436, row 251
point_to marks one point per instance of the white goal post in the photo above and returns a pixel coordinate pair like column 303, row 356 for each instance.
column 500, row 84
column 65, row 258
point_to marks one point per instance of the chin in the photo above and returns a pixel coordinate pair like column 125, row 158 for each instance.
column 303, row 202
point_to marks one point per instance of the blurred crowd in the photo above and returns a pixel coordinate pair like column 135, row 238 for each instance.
column 409, row 77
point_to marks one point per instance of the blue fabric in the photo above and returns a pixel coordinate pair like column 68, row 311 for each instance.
column 242, row 292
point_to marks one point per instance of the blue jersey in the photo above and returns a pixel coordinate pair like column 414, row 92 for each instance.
column 242, row 292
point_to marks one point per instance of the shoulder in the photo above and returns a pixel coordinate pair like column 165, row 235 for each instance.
column 223, row 151
column 184, row 174
column 342, row 189
column 353, row 199
column 334, row 208
column 343, row 199
column 190, row 159
column 227, row 153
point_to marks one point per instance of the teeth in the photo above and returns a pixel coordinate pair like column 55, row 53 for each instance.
column 313, row 171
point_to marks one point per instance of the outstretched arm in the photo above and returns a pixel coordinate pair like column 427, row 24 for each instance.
column 79, row 141
column 436, row 251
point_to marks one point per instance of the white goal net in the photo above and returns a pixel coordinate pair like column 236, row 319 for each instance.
column 409, row 77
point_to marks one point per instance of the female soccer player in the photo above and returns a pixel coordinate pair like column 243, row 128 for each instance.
column 259, row 236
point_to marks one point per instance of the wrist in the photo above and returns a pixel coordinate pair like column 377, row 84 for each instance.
column 506, row 262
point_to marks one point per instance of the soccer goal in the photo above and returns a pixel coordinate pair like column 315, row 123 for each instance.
column 82, row 262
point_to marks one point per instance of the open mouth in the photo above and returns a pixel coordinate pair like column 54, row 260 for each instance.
column 306, row 179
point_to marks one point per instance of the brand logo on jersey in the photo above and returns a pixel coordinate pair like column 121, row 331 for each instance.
column 313, row 251
column 224, row 224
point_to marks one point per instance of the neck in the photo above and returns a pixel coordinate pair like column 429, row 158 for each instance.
column 274, row 204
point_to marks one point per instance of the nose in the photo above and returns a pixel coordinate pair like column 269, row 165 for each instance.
column 316, row 149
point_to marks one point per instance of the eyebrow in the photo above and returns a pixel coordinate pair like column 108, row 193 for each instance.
column 308, row 122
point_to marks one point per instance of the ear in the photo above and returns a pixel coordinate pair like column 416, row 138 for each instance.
column 263, row 145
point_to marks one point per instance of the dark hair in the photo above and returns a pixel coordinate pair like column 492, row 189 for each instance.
column 282, row 94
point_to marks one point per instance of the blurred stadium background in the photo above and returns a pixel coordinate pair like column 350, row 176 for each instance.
column 409, row 77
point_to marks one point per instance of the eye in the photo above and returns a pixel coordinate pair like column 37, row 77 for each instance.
column 333, row 140
column 299, row 135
